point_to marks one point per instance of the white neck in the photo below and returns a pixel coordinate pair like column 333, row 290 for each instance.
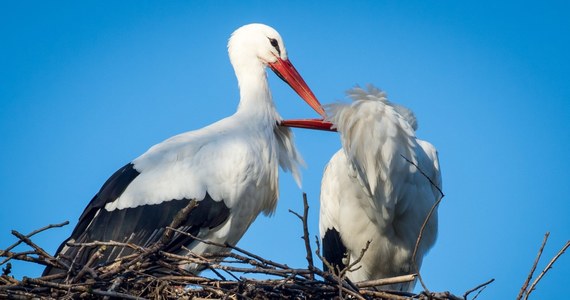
column 255, row 97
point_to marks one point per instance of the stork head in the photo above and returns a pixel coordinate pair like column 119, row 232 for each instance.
column 258, row 43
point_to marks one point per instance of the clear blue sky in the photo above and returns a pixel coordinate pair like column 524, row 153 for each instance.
column 86, row 86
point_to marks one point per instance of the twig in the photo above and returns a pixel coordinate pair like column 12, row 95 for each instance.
column 203, row 260
column 259, row 258
column 83, row 289
column 442, row 296
column 87, row 267
column 38, row 249
column 23, row 256
column 479, row 292
column 425, row 175
column 481, row 286
column 414, row 263
column 178, row 220
column 116, row 283
column 343, row 284
column 386, row 281
column 267, row 266
column 533, row 268
column 29, row 235
column 108, row 244
column 306, row 233
column 535, row 282
column 357, row 260
column 384, row 295
column 236, row 248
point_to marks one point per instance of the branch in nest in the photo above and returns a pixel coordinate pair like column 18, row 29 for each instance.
column 29, row 235
column 261, row 265
column 386, row 281
column 351, row 265
column 304, row 219
column 343, row 284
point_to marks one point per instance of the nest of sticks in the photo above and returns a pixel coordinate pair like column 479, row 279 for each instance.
column 130, row 277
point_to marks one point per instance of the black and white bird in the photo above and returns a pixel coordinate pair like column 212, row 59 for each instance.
column 372, row 190
column 230, row 168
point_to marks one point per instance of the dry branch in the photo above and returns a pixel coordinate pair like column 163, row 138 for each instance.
column 304, row 218
column 478, row 288
column 525, row 289
column 386, row 281
column 552, row 261
column 531, row 273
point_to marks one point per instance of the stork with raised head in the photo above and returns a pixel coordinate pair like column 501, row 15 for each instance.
column 378, row 188
column 229, row 168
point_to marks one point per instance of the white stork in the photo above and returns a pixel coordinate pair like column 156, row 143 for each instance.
column 230, row 168
column 372, row 190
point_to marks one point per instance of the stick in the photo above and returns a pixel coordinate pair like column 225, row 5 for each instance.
column 481, row 286
column 266, row 263
column 433, row 208
column 29, row 235
column 342, row 283
column 384, row 295
column 180, row 218
column 306, row 233
column 533, row 268
column 386, row 281
column 38, row 249
column 425, row 175
column 533, row 285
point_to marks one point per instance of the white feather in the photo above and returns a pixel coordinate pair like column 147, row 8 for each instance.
column 370, row 192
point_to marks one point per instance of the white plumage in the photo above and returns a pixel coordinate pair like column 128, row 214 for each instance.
column 370, row 192
column 229, row 167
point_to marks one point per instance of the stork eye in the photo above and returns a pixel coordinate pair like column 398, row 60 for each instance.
column 275, row 45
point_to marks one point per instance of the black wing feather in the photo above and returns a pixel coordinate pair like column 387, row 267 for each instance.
column 112, row 189
column 333, row 249
column 142, row 225
column 208, row 214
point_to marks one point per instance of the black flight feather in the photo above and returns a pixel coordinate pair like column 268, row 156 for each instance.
column 333, row 249
column 143, row 225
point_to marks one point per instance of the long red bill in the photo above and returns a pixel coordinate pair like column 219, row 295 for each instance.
column 316, row 124
column 287, row 72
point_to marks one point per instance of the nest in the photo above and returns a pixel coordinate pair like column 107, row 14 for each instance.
column 130, row 277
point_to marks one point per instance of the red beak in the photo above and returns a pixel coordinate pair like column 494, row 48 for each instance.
column 285, row 70
column 316, row 124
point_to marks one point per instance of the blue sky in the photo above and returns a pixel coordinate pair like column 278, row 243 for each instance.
column 87, row 86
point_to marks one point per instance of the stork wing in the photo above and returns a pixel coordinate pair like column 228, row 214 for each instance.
column 374, row 136
column 142, row 225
